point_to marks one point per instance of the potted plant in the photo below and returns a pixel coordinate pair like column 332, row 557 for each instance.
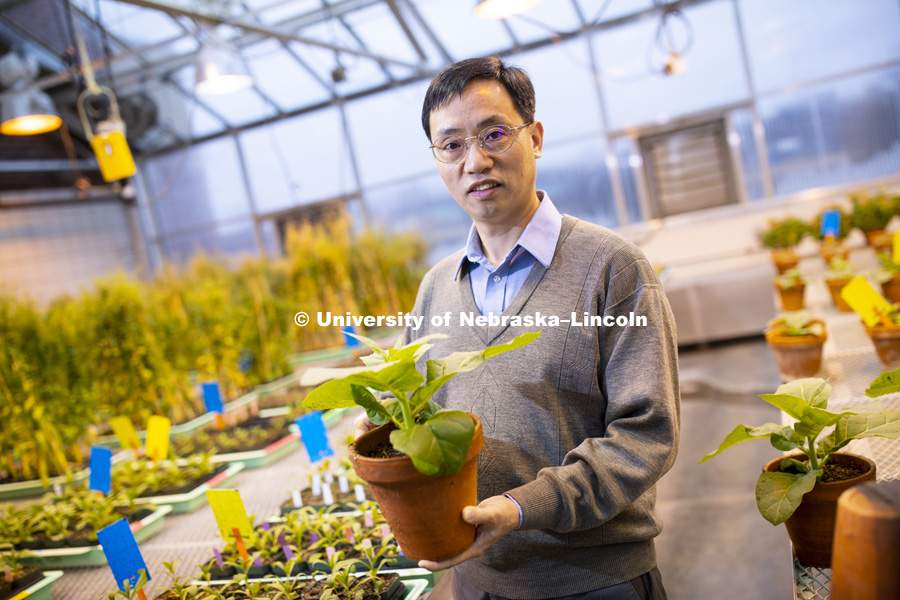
column 790, row 287
column 888, row 275
column 830, row 247
column 871, row 215
column 839, row 273
column 781, row 237
column 797, row 340
column 885, row 336
column 420, row 451
column 801, row 489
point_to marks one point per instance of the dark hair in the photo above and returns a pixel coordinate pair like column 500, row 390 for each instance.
column 452, row 82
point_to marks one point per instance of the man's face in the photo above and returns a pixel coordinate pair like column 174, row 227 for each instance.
column 494, row 189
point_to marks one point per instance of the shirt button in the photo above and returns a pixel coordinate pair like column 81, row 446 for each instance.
column 496, row 279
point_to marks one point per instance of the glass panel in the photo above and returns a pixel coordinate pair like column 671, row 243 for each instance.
column 742, row 121
column 181, row 47
column 544, row 20
column 796, row 41
column 629, row 163
column 424, row 205
column 234, row 238
column 298, row 161
column 282, row 78
column 280, row 11
column 199, row 186
column 844, row 131
column 137, row 26
column 635, row 95
column 566, row 95
column 381, row 34
column 575, row 177
column 387, row 134
column 461, row 32
column 614, row 9
column 181, row 114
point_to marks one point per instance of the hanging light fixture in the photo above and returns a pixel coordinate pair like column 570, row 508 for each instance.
column 502, row 9
column 26, row 111
column 220, row 68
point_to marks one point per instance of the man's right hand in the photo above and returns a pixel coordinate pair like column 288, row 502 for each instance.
column 361, row 425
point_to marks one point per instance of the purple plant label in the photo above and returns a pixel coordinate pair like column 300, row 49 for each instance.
column 329, row 552
column 288, row 553
column 368, row 521
column 281, row 540
column 297, row 498
column 360, row 492
column 343, row 484
column 258, row 561
column 219, row 560
column 367, row 544
column 266, row 526
column 385, row 531
column 313, row 537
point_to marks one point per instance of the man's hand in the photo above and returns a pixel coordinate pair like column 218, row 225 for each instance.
column 494, row 518
column 361, row 425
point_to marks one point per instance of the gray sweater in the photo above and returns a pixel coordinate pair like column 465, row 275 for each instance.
column 579, row 425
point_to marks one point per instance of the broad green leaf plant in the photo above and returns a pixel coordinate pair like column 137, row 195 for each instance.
column 779, row 494
column 437, row 440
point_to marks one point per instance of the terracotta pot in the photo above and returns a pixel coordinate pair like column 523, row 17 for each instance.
column 784, row 259
column 887, row 344
column 873, row 236
column 423, row 511
column 829, row 253
column 867, row 543
column 811, row 527
column 798, row 356
column 891, row 289
column 791, row 298
column 834, row 287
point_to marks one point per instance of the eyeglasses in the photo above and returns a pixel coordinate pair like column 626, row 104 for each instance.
column 495, row 139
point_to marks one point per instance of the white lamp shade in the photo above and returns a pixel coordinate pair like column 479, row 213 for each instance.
column 220, row 70
column 502, row 9
column 29, row 112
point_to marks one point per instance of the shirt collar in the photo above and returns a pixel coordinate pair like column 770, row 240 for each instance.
column 539, row 237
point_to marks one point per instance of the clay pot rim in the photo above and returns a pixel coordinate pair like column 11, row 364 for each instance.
column 777, row 339
column 793, row 288
column 801, row 456
column 839, row 281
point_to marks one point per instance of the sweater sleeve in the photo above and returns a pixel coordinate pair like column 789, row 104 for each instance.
column 637, row 371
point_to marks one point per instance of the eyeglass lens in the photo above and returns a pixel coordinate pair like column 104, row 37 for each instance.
column 493, row 140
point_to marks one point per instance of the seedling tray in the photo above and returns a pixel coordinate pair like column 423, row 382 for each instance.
column 192, row 500
column 40, row 590
column 416, row 581
column 255, row 459
column 93, row 556
column 34, row 487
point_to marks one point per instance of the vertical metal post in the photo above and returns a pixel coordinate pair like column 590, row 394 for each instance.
column 152, row 245
column 354, row 166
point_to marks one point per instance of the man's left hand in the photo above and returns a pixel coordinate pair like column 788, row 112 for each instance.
column 494, row 518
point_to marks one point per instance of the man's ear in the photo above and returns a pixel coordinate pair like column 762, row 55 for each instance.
column 537, row 138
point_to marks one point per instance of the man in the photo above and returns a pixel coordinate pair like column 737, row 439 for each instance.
column 578, row 425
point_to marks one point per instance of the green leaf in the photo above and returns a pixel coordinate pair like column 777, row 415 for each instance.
column 853, row 427
column 779, row 494
column 431, row 409
column 815, row 391
column 787, row 439
column 799, row 465
column 886, row 383
column 416, row 348
column 401, row 376
column 440, row 445
column 374, row 408
column 742, row 433
column 790, row 404
column 376, row 348
column 518, row 342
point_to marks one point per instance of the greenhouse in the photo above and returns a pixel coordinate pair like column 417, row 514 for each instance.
column 443, row 299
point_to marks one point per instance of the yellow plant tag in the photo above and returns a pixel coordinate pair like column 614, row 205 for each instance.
column 896, row 255
column 125, row 433
column 157, row 438
column 863, row 298
column 113, row 155
column 230, row 514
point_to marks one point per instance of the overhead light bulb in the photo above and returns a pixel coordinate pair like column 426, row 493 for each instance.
column 502, row 9
column 220, row 69
column 25, row 111
column 675, row 65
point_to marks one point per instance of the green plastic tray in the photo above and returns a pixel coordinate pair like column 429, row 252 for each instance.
column 40, row 590
column 34, row 487
column 262, row 458
column 416, row 581
column 93, row 556
column 191, row 501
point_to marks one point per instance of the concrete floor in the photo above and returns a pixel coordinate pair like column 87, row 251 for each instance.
column 715, row 543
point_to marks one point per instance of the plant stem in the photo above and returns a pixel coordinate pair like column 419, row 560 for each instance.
column 403, row 400
column 813, row 459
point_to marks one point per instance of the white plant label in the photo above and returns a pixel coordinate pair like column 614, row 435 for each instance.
column 360, row 492
column 316, row 485
column 343, row 484
column 327, row 497
column 328, row 477
column 298, row 500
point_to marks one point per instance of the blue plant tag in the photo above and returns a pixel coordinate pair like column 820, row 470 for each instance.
column 101, row 469
column 122, row 553
column 212, row 397
column 350, row 342
column 831, row 223
column 314, row 436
